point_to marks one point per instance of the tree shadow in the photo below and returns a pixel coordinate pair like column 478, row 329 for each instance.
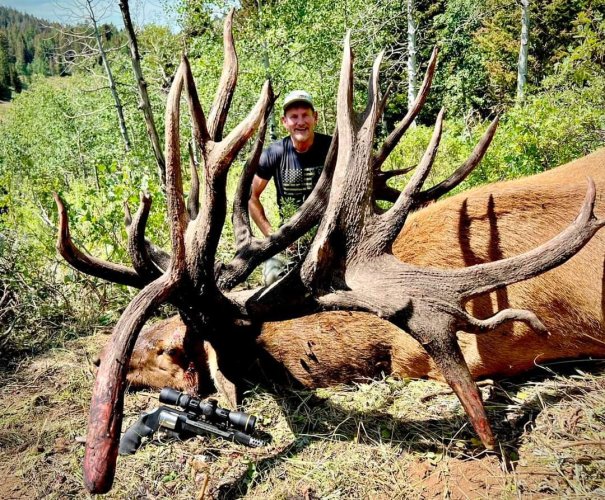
column 489, row 251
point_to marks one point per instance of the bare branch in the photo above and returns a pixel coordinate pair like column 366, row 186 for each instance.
column 145, row 104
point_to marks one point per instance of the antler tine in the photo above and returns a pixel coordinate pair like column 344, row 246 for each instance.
column 393, row 220
column 127, row 214
column 175, row 204
column 374, row 104
column 382, row 191
column 207, row 227
column 226, row 87
column 345, row 115
column 395, row 136
column 106, row 409
column 462, row 172
column 137, row 246
column 484, row 278
column 225, row 152
column 241, row 219
column 200, row 129
column 193, row 202
column 109, row 271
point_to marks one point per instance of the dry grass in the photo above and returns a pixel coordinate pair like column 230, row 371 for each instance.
column 383, row 439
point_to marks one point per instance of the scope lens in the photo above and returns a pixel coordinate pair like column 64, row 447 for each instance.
column 242, row 420
column 170, row 396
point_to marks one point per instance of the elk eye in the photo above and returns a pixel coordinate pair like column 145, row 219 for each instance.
column 172, row 352
column 160, row 352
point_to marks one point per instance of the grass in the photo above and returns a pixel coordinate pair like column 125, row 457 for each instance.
column 381, row 439
column 4, row 107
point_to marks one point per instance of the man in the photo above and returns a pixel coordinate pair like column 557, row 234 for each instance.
column 294, row 162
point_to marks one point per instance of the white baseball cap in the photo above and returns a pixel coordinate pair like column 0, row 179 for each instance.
column 298, row 96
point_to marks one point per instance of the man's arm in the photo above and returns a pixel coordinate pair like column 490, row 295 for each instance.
column 257, row 211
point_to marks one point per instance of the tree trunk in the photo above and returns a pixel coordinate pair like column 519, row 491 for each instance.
column 145, row 104
column 112, row 83
column 522, row 67
column 266, row 64
column 411, row 54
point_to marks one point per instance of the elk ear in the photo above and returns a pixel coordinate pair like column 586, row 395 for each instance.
column 224, row 386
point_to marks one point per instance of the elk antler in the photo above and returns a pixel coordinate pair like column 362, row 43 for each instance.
column 106, row 407
column 349, row 266
column 189, row 279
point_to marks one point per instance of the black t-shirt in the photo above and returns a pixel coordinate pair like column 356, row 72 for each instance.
column 295, row 173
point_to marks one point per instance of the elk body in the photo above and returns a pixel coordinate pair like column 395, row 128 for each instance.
column 486, row 224
column 350, row 265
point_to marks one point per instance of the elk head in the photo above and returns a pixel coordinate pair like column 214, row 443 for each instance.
column 349, row 266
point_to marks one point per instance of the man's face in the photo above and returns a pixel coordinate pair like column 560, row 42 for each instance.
column 300, row 122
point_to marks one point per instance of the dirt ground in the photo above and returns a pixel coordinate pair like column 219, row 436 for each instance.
column 384, row 439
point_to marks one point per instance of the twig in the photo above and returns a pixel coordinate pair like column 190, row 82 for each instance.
column 600, row 443
column 203, row 488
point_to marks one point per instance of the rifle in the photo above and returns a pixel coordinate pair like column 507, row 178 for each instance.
column 198, row 417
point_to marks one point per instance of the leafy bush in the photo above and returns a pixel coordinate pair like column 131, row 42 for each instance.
column 60, row 136
column 43, row 303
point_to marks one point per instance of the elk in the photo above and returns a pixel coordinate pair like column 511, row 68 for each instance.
column 350, row 265
column 486, row 224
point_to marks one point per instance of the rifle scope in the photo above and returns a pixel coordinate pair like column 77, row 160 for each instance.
column 208, row 409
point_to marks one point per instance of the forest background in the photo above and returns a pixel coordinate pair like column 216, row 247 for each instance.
column 59, row 131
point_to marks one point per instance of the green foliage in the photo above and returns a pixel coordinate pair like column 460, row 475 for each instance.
column 584, row 61
column 462, row 76
column 62, row 135
column 43, row 302
column 297, row 43
column 553, row 128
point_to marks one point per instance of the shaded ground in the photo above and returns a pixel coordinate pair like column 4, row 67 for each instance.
column 386, row 439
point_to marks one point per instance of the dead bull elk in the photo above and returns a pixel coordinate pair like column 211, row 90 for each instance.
column 350, row 265
column 486, row 224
